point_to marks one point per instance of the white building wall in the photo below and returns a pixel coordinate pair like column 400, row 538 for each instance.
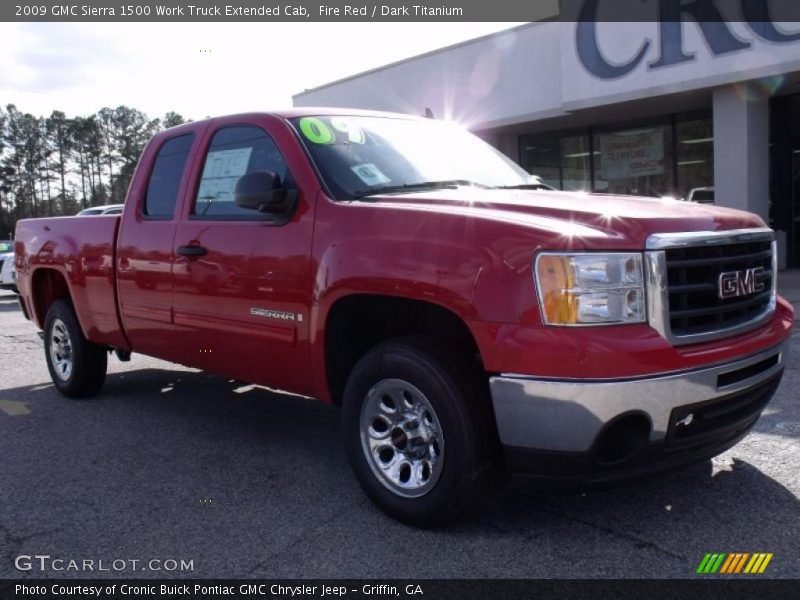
column 534, row 72
column 502, row 79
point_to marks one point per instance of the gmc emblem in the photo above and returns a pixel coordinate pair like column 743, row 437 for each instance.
column 741, row 283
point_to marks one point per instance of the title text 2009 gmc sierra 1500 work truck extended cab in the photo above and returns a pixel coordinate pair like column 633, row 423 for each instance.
column 468, row 321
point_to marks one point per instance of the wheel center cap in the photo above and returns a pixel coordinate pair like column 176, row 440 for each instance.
column 399, row 438
column 411, row 437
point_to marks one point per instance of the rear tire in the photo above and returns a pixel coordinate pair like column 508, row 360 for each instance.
column 77, row 366
column 419, row 433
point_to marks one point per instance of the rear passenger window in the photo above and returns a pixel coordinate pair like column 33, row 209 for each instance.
column 165, row 179
column 235, row 151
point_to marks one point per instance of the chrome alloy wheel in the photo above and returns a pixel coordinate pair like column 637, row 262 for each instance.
column 61, row 350
column 402, row 438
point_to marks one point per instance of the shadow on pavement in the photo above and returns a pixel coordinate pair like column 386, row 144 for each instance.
column 166, row 447
column 8, row 302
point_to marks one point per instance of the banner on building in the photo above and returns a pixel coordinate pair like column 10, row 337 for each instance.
column 632, row 154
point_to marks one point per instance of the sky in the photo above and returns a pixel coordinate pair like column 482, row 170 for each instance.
column 199, row 69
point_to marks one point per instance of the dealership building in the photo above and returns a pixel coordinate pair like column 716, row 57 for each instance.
column 658, row 109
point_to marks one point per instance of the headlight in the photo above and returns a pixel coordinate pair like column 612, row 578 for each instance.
column 590, row 289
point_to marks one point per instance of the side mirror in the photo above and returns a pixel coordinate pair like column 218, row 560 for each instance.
column 262, row 191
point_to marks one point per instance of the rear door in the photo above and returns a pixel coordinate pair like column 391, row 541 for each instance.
column 145, row 245
column 241, row 278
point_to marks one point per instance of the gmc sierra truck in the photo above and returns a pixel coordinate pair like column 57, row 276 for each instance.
column 469, row 321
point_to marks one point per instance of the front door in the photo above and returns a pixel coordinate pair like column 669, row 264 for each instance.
column 241, row 279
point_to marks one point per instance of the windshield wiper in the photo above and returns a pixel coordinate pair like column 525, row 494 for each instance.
column 525, row 186
column 414, row 187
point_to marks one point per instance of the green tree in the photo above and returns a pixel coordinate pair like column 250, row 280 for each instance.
column 5, row 217
column 108, row 141
column 23, row 159
column 79, row 136
column 57, row 164
column 172, row 119
column 131, row 131
column 59, row 139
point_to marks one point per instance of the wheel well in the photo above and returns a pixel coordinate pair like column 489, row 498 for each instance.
column 47, row 286
column 357, row 323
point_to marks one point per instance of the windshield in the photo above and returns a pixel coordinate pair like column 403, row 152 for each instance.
column 358, row 156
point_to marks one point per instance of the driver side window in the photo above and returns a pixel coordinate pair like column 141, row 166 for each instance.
column 235, row 151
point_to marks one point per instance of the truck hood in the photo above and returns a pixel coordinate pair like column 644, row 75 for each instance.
column 599, row 220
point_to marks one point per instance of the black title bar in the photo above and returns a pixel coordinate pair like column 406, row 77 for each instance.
column 786, row 11
column 425, row 589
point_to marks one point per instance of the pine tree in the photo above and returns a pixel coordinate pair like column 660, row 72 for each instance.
column 58, row 132
column 54, row 165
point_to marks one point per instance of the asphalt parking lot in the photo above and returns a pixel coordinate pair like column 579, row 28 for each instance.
column 171, row 463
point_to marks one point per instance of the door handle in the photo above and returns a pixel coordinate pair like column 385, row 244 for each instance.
column 192, row 251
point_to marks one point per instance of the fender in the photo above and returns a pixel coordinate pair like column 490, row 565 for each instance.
column 478, row 267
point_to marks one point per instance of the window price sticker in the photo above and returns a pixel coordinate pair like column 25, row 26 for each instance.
column 370, row 174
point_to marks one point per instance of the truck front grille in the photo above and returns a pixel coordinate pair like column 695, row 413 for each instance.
column 708, row 285
column 693, row 284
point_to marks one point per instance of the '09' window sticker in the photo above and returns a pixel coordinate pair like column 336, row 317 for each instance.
column 336, row 129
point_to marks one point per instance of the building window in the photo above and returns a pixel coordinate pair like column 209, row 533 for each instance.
column 695, row 149
column 635, row 161
column 668, row 156
column 561, row 160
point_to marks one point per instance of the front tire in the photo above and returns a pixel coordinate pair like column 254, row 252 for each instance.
column 77, row 366
column 418, row 432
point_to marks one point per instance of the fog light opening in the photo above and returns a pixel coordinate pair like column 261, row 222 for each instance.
column 623, row 439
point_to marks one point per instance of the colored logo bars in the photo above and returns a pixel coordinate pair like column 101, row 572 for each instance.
column 734, row 563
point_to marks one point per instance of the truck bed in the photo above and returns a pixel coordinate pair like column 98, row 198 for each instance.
column 82, row 251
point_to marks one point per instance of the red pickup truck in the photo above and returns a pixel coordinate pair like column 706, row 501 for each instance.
column 468, row 320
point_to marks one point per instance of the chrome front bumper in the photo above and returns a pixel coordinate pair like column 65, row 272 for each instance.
column 569, row 415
